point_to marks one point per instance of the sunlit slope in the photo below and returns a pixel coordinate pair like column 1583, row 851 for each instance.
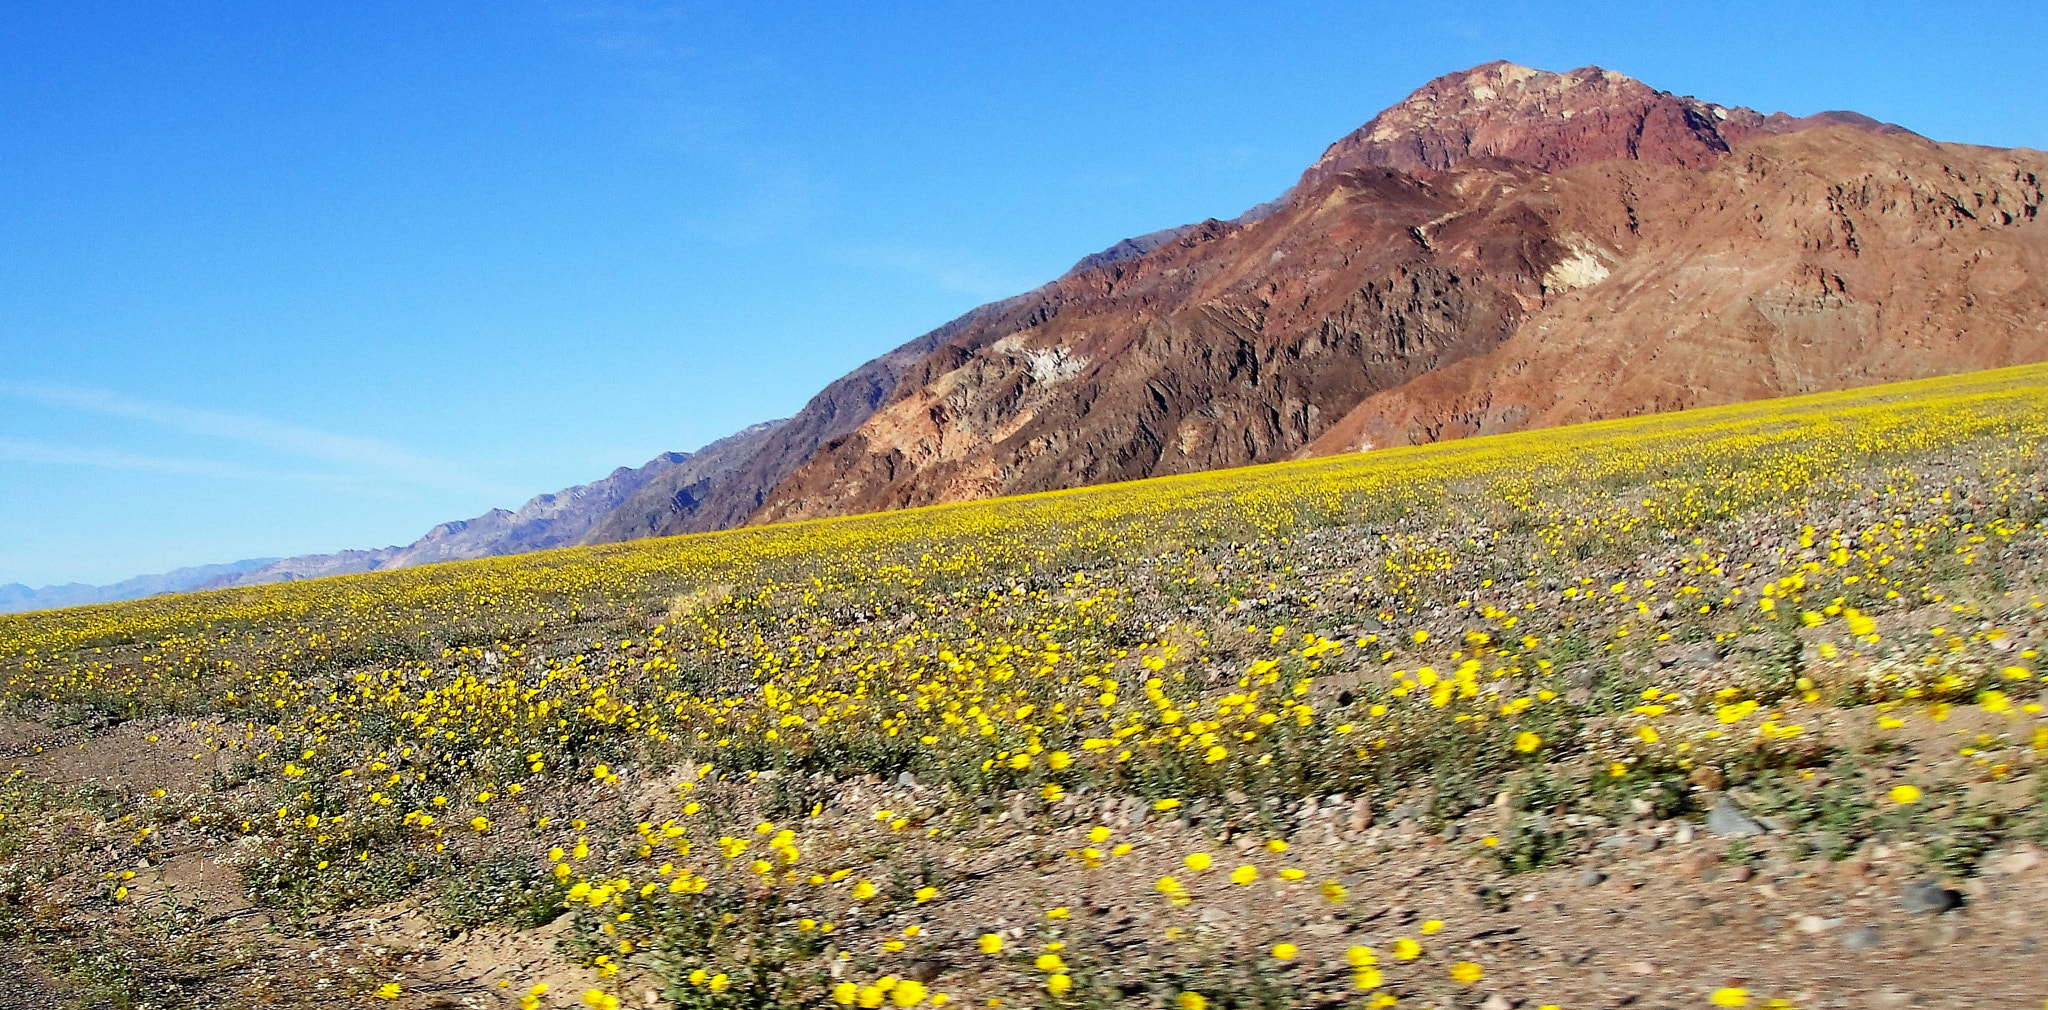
column 1678, row 468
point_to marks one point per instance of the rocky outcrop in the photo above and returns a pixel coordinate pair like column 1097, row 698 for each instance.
column 1505, row 248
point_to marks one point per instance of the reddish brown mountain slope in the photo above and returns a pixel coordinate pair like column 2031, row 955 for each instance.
column 1229, row 345
column 1504, row 248
column 1821, row 260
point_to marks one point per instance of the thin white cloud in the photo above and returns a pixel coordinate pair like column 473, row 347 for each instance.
column 376, row 457
column 948, row 272
column 15, row 450
column 759, row 206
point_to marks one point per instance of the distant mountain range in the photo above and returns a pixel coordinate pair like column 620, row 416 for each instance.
column 14, row 596
column 1506, row 248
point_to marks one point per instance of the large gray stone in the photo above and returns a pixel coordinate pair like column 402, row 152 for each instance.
column 1728, row 821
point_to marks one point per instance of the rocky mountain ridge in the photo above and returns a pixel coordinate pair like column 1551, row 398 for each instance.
column 1506, row 248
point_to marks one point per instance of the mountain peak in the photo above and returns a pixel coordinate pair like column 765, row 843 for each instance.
column 1554, row 121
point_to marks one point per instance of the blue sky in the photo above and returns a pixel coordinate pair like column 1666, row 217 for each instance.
column 282, row 277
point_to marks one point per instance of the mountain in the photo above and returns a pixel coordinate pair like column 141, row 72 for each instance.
column 1815, row 261
column 307, row 566
column 675, row 499
column 17, row 597
column 561, row 519
column 1505, row 248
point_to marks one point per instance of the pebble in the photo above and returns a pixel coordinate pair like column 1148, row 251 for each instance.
column 1591, row 878
column 1862, row 938
column 1927, row 897
column 1814, row 924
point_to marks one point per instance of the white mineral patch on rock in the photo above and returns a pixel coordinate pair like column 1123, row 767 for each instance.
column 1053, row 364
column 1582, row 269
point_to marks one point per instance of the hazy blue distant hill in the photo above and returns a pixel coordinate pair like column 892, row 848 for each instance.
column 16, row 597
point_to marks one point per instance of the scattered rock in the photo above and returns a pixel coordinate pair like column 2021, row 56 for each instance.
column 1927, row 897
column 1361, row 814
column 1496, row 1002
column 1581, row 678
column 1591, row 878
column 1491, row 898
column 1862, row 938
column 1728, row 821
column 1813, row 925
